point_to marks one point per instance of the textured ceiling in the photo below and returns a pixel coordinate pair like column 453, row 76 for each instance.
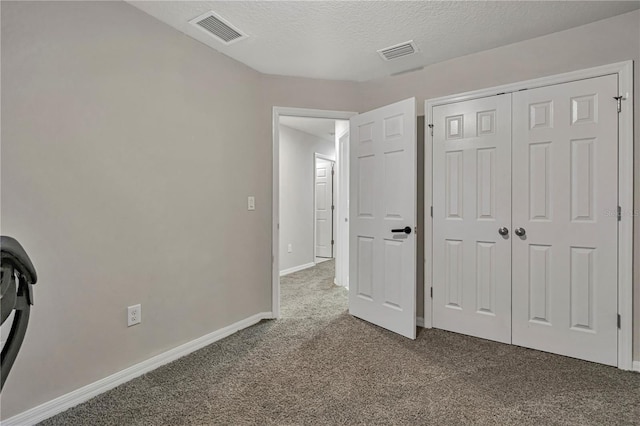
column 321, row 127
column 339, row 39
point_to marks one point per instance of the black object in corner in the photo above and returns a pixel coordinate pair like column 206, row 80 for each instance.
column 17, row 277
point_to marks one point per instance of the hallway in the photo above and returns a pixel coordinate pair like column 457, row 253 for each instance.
column 312, row 293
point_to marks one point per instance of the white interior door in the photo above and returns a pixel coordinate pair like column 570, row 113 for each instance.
column 565, row 197
column 471, row 208
column 324, row 208
column 382, row 269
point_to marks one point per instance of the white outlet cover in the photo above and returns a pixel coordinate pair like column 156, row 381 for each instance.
column 134, row 315
column 251, row 203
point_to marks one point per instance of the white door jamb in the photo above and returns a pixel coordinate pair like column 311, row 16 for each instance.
column 341, row 195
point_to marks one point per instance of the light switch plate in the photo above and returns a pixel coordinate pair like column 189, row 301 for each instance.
column 251, row 203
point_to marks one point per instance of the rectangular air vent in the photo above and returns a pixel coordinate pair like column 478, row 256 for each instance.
column 215, row 25
column 398, row 50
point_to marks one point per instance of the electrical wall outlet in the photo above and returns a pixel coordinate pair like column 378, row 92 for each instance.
column 134, row 315
column 289, row 248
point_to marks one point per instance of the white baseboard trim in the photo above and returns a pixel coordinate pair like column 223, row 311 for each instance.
column 78, row 396
column 335, row 281
column 296, row 269
column 636, row 366
column 420, row 322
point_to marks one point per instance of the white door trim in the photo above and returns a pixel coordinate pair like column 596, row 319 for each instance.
column 275, row 187
column 342, row 208
column 317, row 155
column 624, row 70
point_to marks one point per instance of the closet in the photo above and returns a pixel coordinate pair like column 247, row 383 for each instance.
column 525, row 230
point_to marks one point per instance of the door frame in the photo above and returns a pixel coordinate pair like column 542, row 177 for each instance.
column 624, row 71
column 342, row 207
column 275, row 188
column 317, row 155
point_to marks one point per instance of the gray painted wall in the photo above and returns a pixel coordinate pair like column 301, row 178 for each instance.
column 297, row 166
column 604, row 42
column 126, row 165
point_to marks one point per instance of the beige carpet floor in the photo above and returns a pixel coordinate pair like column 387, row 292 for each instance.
column 319, row 365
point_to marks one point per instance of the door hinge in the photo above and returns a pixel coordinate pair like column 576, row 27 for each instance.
column 619, row 213
column 432, row 292
column 619, row 321
column 431, row 211
column 619, row 101
column 332, row 242
column 333, row 207
column 431, row 127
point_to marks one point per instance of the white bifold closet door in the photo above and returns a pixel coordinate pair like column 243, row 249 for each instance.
column 471, row 203
column 541, row 164
column 382, row 256
column 565, row 174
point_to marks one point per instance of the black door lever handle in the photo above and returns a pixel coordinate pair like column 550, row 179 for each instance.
column 406, row 230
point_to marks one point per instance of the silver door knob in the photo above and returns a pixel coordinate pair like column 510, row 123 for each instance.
column 503, row 231
column 520, row 232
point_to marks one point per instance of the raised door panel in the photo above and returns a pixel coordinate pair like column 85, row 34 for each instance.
column 485, row 277
column 392, row 272
column 453, row 181
column 486, row 184
column 363, row 286
column 538, row 283
column 582, row 179
column 539, row 181
column 453, row 277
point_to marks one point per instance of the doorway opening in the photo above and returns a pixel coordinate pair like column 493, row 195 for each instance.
column 310, row 199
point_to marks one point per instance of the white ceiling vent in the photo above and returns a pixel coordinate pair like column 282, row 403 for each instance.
column 398, row 50
column 220, row 28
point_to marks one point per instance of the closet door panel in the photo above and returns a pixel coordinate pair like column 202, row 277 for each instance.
column 471, row 202
column 565, row 172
